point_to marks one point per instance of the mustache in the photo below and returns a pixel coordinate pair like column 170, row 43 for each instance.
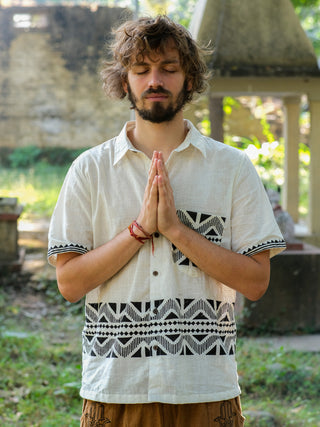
column 155, row 91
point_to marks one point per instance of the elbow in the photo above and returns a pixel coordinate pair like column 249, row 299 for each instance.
column 68, row 293
column 257, row 291
column 259, row 281
column 69, row 285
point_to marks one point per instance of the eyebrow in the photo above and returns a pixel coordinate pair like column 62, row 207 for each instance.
column 165, row 62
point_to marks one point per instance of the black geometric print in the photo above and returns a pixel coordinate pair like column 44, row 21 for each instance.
column 160, row 328
column 210, row 226
column 270, row 244
column 71, row 247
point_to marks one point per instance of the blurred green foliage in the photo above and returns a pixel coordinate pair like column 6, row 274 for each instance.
column 29, row 156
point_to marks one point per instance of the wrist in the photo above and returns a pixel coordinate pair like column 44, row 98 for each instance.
column 141, row 235
column 174, row 233
column 145, row 226
column 138, row 230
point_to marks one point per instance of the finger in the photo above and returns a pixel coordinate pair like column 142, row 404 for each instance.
column 155, row 156
column 152, row 173
column 153, row 162
column 162, row 170
column 161, row 186
column 165, row 191
column 154, row 196
column 154, row 190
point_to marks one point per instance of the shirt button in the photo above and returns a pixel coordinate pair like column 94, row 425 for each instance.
column 156, row 234
column 155, row 347
column 155, row 311
column 155, row 273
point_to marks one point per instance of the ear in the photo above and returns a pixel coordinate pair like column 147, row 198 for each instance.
column 125, row 85
column 189, row 85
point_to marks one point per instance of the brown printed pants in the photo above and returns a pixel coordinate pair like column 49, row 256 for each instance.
column 226, row 413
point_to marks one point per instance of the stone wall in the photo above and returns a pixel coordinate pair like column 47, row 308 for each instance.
column 50, row 91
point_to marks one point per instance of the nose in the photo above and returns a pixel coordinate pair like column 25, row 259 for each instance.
column 155, row 79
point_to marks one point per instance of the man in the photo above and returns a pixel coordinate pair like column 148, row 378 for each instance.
column 158, row 228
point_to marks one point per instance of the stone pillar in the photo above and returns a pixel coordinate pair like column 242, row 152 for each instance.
column 216, row 115
column 290, row 197
column 314, row 194
column 9, row 251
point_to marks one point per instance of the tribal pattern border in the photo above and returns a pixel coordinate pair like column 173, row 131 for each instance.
column 160, row 328
column 271, row 244
column 209, row 226
column 71, row 247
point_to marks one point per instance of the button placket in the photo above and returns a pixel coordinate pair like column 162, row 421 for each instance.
column 154, row 264
column 155, row 285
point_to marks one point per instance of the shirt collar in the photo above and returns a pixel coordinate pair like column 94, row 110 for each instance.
column 123, row 143
column 194, row 138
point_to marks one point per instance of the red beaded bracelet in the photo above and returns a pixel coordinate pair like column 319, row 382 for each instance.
column 140, row 239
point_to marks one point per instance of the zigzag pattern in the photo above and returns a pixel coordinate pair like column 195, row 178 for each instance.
column 71, row 247
column 270, row 244
column 159, row 328
column 210, row 226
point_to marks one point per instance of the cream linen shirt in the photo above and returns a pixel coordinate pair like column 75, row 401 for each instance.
column 161, row 330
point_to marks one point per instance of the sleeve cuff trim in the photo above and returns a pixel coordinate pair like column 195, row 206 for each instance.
column 54, row 250
column 272, row 244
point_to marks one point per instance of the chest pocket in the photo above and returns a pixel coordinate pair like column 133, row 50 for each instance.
column 209, row 226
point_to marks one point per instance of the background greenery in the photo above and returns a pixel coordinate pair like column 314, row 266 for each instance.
column 35, row 176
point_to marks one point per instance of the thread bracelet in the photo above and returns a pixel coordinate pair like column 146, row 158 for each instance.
column 140, row 239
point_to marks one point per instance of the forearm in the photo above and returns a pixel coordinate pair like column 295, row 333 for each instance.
column 247, row 275
column 79, row 274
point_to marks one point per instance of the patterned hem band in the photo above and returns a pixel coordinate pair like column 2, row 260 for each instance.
column 55, row 250
column 272, row 244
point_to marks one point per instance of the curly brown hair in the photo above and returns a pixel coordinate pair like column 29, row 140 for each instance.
column 137, row 38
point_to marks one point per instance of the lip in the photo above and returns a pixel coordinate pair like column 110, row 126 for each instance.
column 157, row 97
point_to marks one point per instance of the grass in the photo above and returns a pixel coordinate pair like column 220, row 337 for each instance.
column 40, row 362
column 41, row 356
column 283, row 383
column 37, row 187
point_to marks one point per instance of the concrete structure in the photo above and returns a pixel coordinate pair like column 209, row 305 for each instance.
column 10, row 256
column 50, row 93
column 262, row 50
column 291, row 303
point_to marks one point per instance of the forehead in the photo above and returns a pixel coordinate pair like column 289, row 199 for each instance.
column 167, row 53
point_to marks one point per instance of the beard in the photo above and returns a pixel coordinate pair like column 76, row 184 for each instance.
column 159, row 113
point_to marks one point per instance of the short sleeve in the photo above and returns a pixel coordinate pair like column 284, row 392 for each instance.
column 253, row 225
column 71, row 223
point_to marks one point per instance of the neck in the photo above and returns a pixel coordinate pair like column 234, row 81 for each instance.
column 165, row 137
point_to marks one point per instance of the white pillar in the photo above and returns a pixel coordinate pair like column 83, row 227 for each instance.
column 290, row 196
column 314, row 195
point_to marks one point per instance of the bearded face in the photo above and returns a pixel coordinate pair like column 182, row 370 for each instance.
column 158, row 112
